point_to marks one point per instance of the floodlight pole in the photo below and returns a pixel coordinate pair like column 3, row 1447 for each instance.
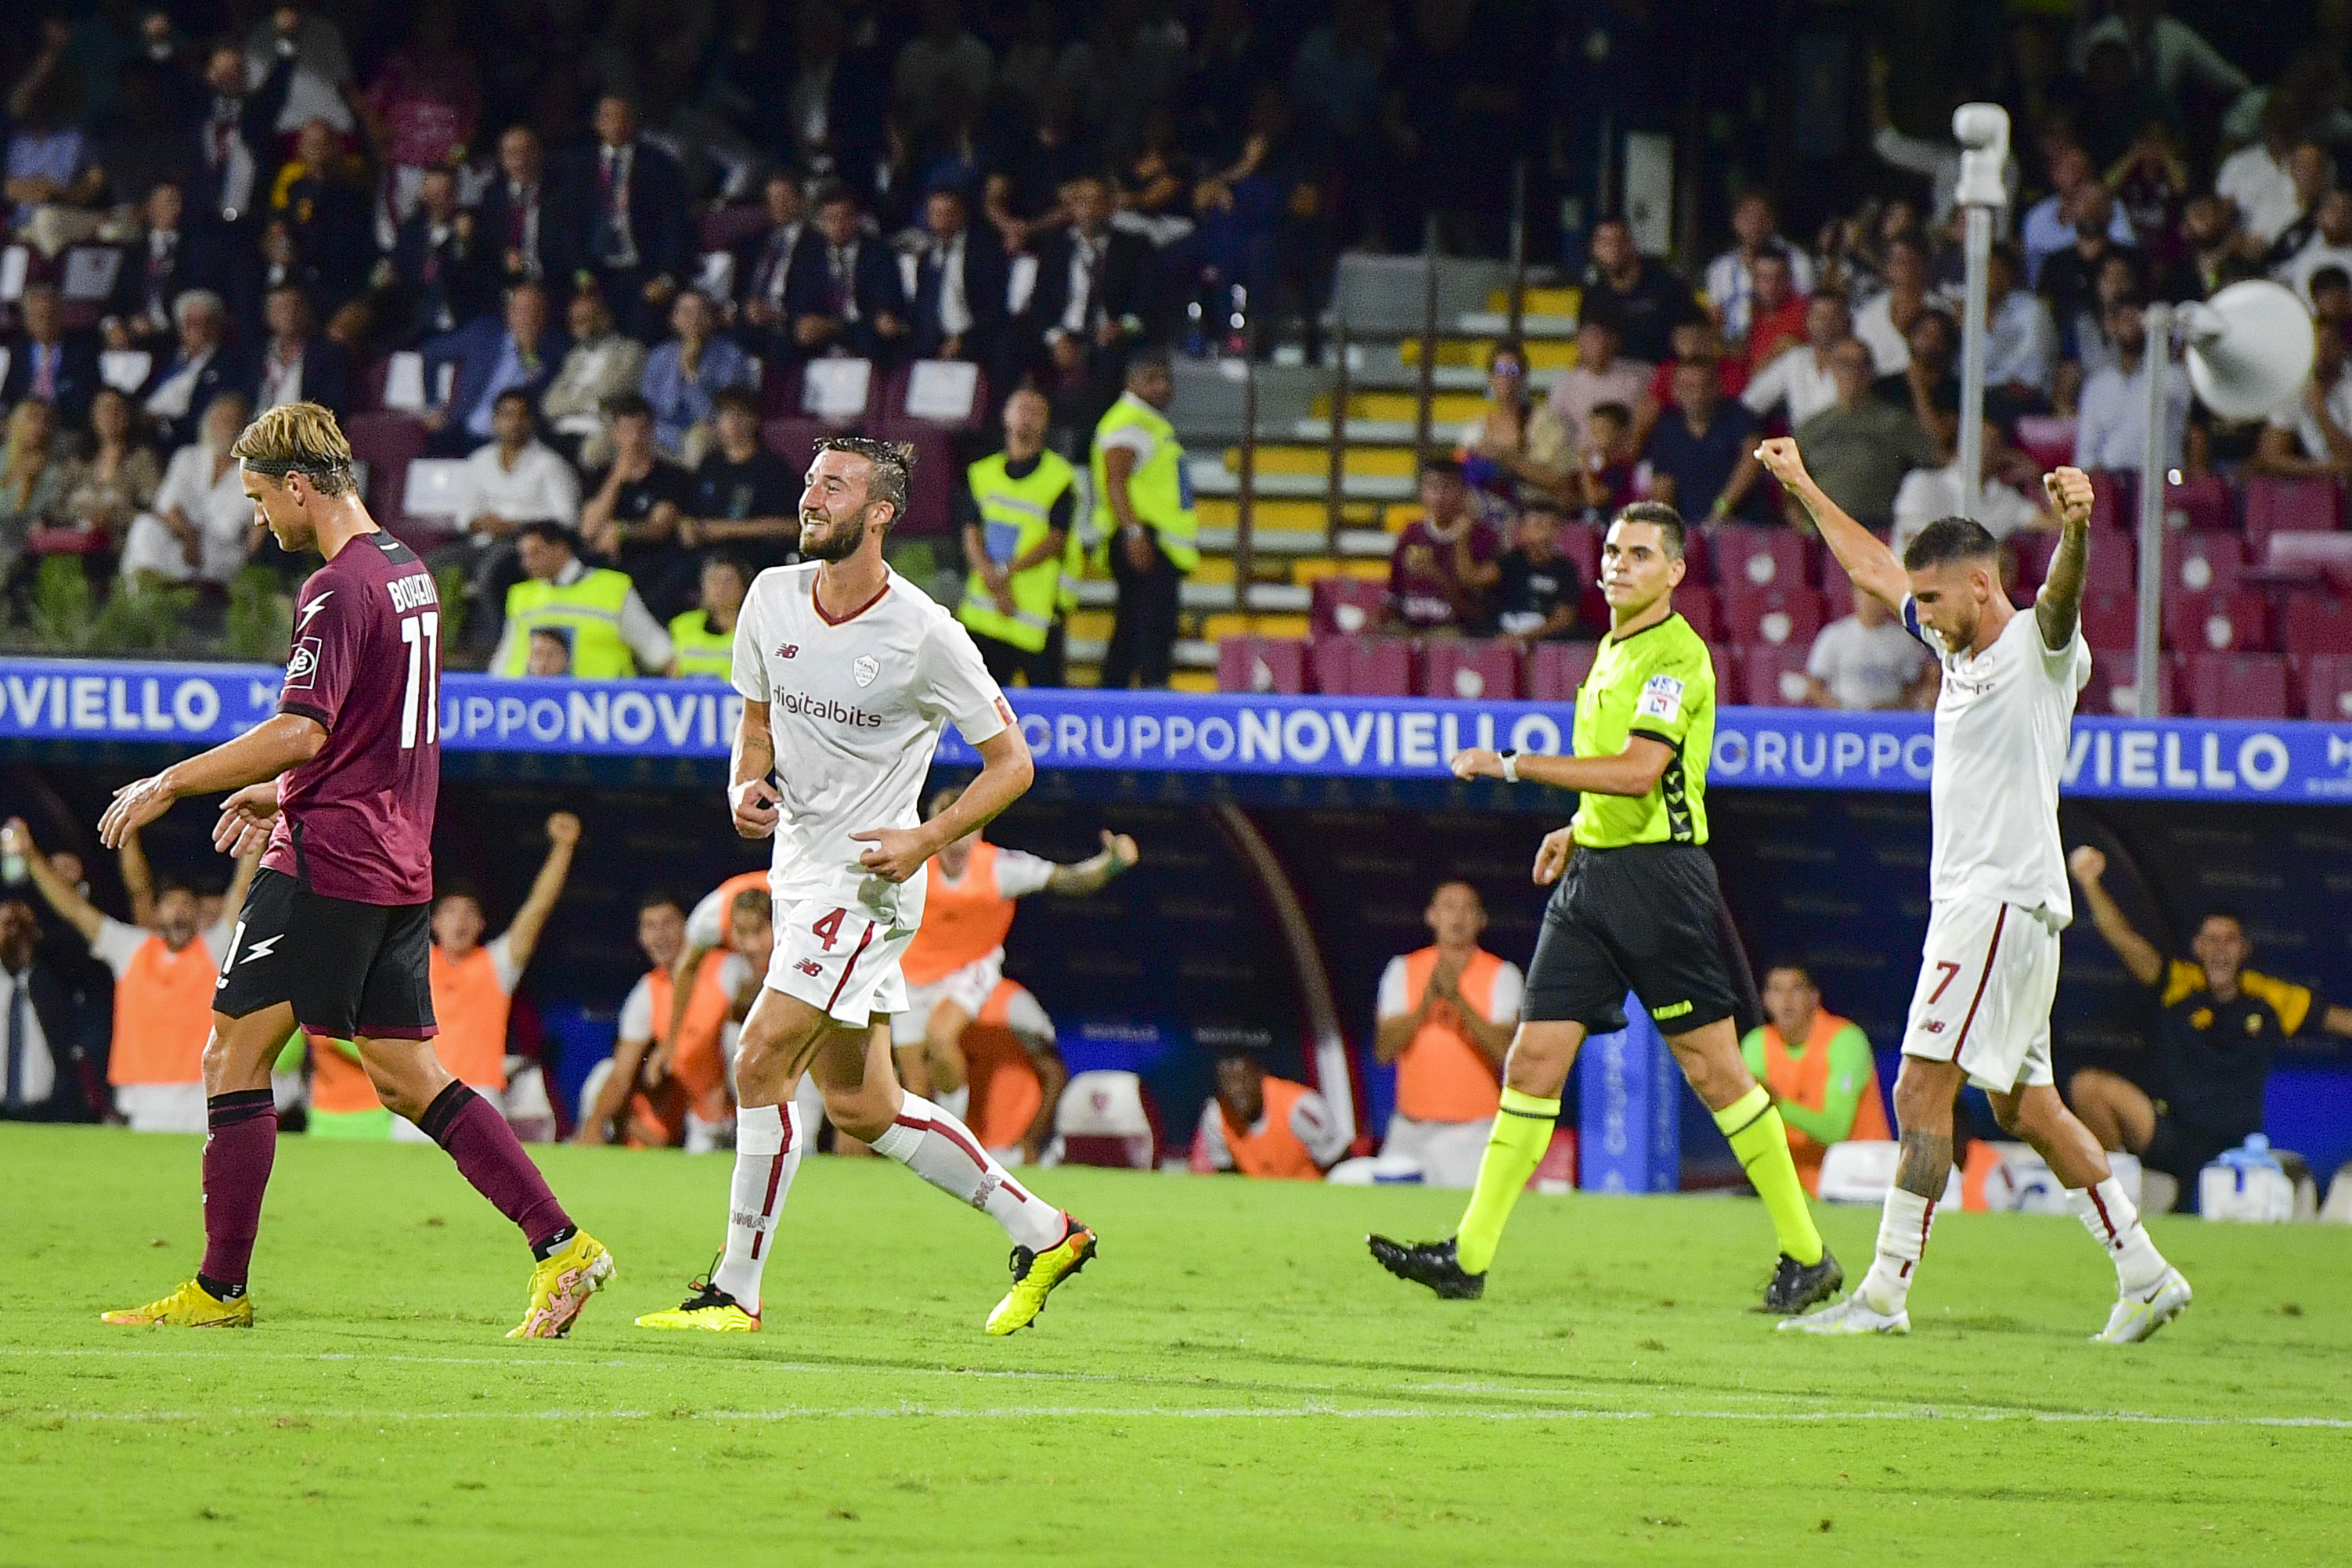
column 1983, row 130
column 2147, row 634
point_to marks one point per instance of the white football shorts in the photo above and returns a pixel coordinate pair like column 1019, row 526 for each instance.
column 1988, row 975
column 839, row 961
column 968, row 987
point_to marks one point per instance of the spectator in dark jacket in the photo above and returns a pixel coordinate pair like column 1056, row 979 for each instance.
column 235, row 136
column 1637, row 295
column 522, row 220
column 326, row 209
column 298, row 364
column 172, row 257
column 200, row 367
column 630, row 215
column 844, row 292
column 442, row 270
column 763, row 270
column 45, row 361
column 960, row 285
column 518, row 353
column 1090, row 305
column 40, row 1053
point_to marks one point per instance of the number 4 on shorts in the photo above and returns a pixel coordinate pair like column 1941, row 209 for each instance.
column 829, row 928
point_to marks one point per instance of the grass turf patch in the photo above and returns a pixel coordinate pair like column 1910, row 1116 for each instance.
column 1232, row 1381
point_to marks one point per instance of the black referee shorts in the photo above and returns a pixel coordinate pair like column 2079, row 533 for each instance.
column 351, row 970
column 1639, row 919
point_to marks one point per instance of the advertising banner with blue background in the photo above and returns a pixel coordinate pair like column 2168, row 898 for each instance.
column 1167, row 732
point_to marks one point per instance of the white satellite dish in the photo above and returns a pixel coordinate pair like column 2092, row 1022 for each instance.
column 2249, row 349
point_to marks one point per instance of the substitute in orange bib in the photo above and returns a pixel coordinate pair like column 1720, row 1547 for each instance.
column 1265, row 1126
column 1818, row 1068
column 164, row 982
column 655, row 1100
column 957, row 956
column 1445, row 1018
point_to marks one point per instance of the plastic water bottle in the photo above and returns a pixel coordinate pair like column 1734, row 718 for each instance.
column 2255, row 1154
column 1196, row 337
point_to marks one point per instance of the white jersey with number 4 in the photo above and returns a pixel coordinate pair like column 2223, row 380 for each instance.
column 2000, row 744
column 856, row 705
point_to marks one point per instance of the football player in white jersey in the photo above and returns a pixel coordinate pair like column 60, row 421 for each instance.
column 1997, row 888
column 848, row 672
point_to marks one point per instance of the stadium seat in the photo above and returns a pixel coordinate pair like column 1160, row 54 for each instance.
column 2316, row 623
column 2046, row 438
column 1105, row 1118
column 1727, row 672
column 793, row 438
column 1751, row 558
column 1581, row 542
column 1261, row 665
column 1348, row 667
column 1347, row 604
column 2114, row 494
column 2110, row 691
column 1472, row 671
column 2328, row 687
column 1698, row 606
column 946, row 394
column 2110, row 621
column 2201, row 504
column 2115, row 561
column 1837, row 591
column 1778, row 616
column 2289, row 506
column 2238, row 686
column 931, row 485
column 1555, row 669
column 2030, row 549
column 2202, row 562
column 1773, row 674
column 2216, row 622
column 387, row 443
column 2311, row 555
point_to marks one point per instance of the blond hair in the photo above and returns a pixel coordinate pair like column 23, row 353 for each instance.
column 299, row 438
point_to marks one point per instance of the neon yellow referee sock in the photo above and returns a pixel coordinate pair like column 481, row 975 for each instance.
column 1761, row 1141
column 1522, row 1132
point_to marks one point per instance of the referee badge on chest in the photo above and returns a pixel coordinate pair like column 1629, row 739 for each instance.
column 866, row 669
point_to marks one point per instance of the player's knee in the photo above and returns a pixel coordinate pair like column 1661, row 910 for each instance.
column 2010, row 1111
column 861, row 1112
column 1918, row 1102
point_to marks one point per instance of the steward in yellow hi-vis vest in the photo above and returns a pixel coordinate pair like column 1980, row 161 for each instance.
column 1143, row 516
column 1019, row 513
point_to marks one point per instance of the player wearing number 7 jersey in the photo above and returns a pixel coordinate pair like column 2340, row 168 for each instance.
column 848, row 673
column 1997, row 891
column 334, row 936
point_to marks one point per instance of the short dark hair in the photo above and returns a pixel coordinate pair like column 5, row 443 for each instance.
column 464, row 890
column 732, row 562
column 1446, row 467
column 828, row 192
column 657, row 897
column 515, row 394
column 1949, row 539
column 1794, row 967
column 628, row 405
column 2328, row 277
column 552, row 531
column 2231, row 915
column 1616, row 411
column 893, row 466
column 743, row 400
column 1658, row 515
column 1151, row 357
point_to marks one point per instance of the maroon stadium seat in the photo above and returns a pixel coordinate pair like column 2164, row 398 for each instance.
column 1698, row 606
column 1581, row 542
column 1727, row 672
column 387, row 443
column 2111, row 668
column 1362, row 666
column 2289, row 506
column 1261, row 665
column 1773, row 675
column 2115, row 561
column 1779, row 616
column 1750, row 557
column 2110, row 621
column 1347, row 604
column 2030, row 549
column 2238, row 686
column 1837, row 591
column 2046, row 438
column 793, row 438
column 2328, row 687
column 2114, row 499
column 2216, row 622
column 894, row 402
column 2316, row 623
column 932, row 487
column 1555, row 669
column 2204, row 562
column 2201, row 503
column 1472, row 671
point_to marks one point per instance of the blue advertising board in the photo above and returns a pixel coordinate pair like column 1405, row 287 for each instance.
column 1393, row 738
column 1628, row 1109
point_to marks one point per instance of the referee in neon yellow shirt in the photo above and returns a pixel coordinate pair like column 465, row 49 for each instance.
column 1634, row 911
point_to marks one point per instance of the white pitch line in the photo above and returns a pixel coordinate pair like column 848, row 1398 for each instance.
column 1202, row 1413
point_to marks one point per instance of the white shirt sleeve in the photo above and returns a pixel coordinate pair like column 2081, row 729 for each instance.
column 561, row 488
column 117, row 944
column 637, row 1012
column 1019, row 875
column 706, row 926
column 1828, row 652
column 1510, row 988
column 645, row 636
column 954, row 683
column 1135, row 439
column 1312, row 1124
column 502, row 961
column 748, row 670
column 182, row 485
column 1392, row 1003
column 1771, row 383
column 1213, row 1137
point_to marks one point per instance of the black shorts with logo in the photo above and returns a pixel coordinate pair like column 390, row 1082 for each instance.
column 1641, row 919
column 350, row 969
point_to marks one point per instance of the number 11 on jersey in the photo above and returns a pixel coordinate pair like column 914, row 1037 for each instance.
column 423, row 635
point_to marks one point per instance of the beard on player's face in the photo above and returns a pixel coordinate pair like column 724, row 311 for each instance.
column 841, row 536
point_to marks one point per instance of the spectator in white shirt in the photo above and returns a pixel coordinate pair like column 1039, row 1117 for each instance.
column 1884, row 320
column 2164, row 52
column 2330, row 243
column 2022, row 347
column 201, row 528
column 1731, row 278
column 511, row 480
column 2313, row 439
column 1800, row 378
column 1598, row 377
column 600, row 365
column 1868, row 660
column 1928, row 493
column 2111, row 430
column 2258, row 179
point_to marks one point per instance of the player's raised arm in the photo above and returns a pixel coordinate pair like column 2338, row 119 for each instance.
column 1865, row 557
column 55, row 891
column 522, row 937
column 1089, row 876
column 2058, row 608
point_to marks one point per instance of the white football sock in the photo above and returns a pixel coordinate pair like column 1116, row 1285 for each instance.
column 2113, row 1223
column 956, row 1102
column 1901, row 1240
column 767, row 1153
column 942, row 1150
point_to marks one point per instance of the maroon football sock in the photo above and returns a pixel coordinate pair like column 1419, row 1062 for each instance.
column 489, row 1155
column 238, row 1151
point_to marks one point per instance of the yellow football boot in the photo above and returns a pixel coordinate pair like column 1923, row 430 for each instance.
column 1034, row 1275
column 189, row 1307
column 561, row 1285
column 709, row 1309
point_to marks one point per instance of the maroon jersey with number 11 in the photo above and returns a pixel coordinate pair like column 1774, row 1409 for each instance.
column 356, row 822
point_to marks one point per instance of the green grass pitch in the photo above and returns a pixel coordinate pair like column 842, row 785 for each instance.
column 1232, row 1381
